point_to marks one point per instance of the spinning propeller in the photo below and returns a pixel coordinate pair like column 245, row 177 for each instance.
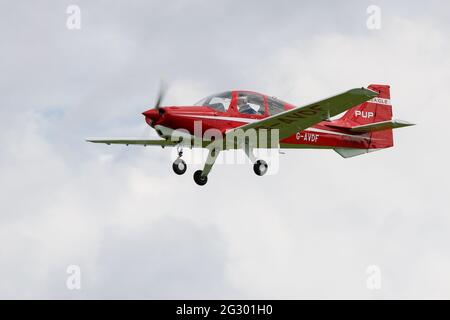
column 154, row 114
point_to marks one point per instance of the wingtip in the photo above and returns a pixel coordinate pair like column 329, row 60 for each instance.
column 372, row 93
column 364, row 92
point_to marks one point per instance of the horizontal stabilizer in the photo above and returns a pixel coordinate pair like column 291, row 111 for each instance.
column 378, row 126
column 349, row 152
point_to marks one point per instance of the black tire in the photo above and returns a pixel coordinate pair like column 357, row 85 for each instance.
column 179, row 166
column 260, row 167
column 201, row 181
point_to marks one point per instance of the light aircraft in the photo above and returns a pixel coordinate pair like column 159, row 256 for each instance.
column 365, row 126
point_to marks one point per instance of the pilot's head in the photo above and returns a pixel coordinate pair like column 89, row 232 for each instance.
column 242, row 101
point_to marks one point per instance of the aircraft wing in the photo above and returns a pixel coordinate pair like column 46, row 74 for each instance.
column 135, row 141
column 291, row 121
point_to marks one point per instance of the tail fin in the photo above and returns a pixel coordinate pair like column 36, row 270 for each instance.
column 378, row 109
column 375, row 110
column 372, row 118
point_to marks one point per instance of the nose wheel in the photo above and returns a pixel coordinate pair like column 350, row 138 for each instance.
column 179, row 166
column 260, row 167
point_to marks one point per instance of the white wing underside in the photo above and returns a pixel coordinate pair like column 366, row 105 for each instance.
column 134, row 141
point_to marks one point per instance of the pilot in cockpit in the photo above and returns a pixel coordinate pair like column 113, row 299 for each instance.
column 244, row 107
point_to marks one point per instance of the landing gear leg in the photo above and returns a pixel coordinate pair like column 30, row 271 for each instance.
column 260, row 167
column 201, row 176
column 179, row 166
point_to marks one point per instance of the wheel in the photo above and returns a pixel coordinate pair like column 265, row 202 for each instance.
column 201, row 181
column 260, row 167
column 179, row 166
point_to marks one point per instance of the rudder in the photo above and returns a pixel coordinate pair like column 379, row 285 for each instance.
column 375, row 110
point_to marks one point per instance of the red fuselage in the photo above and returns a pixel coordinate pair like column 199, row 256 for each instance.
column 326, row 134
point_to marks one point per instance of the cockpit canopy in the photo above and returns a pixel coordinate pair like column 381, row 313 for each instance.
column 220, row 102
column 250, row 103
column 247, row 102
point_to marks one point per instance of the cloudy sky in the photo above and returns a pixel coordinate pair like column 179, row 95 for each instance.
column 136, row 230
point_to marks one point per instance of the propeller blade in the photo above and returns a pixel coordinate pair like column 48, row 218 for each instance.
column 161, row 94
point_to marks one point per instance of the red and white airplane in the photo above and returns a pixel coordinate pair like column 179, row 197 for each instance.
column 365, row 126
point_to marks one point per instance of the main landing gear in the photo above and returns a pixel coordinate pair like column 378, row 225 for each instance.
column 199, row 179
column 179, row 166
column 260, row 167
column 201, row 176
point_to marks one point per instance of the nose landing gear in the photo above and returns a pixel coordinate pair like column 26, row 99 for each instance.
column 179, row 166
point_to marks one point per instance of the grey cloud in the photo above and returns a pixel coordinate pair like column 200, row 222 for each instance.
column 171, row 258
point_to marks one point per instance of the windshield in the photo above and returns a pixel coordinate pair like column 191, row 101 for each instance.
column 220, row 102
